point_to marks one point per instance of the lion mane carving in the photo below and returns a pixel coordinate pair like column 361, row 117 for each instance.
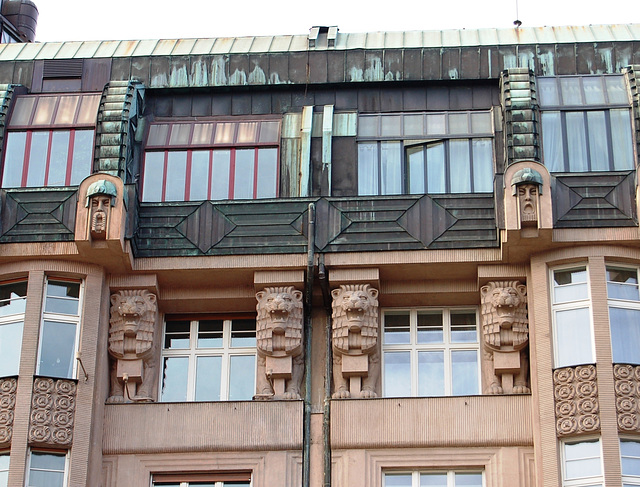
column 505, row 328
column 131, row 337
column 355, row 332
column 279, row 334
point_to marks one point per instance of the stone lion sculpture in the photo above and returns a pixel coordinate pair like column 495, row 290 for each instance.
column 279, row 335
column 505, row 328
column 131, row 342
column 355, row 334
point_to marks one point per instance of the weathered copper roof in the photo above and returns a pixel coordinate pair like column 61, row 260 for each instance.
column 343, row 41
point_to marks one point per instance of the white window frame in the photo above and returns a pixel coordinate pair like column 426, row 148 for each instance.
column 226, row 351
column 621, row 303
column 61, row 318
column 221, row 483
column 628, row 480
column 4, row 454
column 589, row 481
column 415, row 475
column 47, row 452
column 446, row 346
column 12, row 319
column 583, row 303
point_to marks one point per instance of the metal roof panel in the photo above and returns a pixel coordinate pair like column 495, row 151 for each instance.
column 413, row 38
column 49, row 50
column 261, row 44
column 488, row 37
column 164, row 47
column 450, row 38
column 183, row 47
column 30, row 51
column 222, row 45
column 469, row 37
column 431, row 38
column 203, row 46
column 394, row 40
column 241, row 45
column 106, row 49
column 11, row 51
column 145, row 48
column 375, row 40
column 280, row 43
column 87, row 49
column 126, row 48
column 299, row 43
column 68, row 50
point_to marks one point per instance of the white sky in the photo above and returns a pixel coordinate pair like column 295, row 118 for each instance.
column 163, row 19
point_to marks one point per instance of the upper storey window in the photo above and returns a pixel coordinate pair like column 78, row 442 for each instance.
column 624, row 314
column 193, row 161
column 586, row 123
column 417, row 153
column 13, row 300
column 50, row 140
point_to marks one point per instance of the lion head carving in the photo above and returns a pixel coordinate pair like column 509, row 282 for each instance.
column 355, row 317
column 504, row 315
column 133, row 314
column 279, row 322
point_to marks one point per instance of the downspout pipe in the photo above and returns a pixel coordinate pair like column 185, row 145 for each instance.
column 306, row 427
column 328, row 373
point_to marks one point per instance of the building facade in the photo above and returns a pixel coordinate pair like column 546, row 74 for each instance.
column 384, row 259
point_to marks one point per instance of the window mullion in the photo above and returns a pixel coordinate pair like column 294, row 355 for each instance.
column 191, row 367
column 69, row 168
column 232, row 173
column 48, row 159
column 607, row 121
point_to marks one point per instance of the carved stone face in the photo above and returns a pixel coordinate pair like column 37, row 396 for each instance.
column 99, row 214
column 528, row 197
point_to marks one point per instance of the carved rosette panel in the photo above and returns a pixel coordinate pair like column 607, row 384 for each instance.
column 576, row 396
column 7, row 405
column 627, row 387
column 53, row 405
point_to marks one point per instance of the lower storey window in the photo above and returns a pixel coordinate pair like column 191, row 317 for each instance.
column 216, row 479
column 582, row 464
column 209, row 360
column 630, row 459
column 433, row 479
column 221, row 174
column 4, row 469
column 430, row 352
column 47, row 469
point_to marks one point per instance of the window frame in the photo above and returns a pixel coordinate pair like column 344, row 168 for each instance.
column 371, row 132
column 628, row 480
column 57, row 453
column 56, row 317
column 606, row 107
column 586, row 481
column 32, row 127
column 446, row 346
column 226, row 352
column 621, row 303
column 14, row 319
column 571, row 305
column 415, row 475
column 191, row 141
column 5, row 454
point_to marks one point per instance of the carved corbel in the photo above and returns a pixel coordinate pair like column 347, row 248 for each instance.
column 505, row 330
column 356, row 360
column 279, row 343
column 131, row 346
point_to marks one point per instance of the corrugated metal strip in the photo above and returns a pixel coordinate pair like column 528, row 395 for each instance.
column 62, row 68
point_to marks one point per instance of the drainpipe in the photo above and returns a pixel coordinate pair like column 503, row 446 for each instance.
column 306, row 427
column 328, row 373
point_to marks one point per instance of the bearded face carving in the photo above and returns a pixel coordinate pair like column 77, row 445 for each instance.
column 505, row 328
column 355, row 340
column 131, row 343
column 99, row 215
column 528, row 203
column 279, row 341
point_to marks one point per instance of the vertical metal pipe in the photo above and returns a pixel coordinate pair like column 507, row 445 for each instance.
column 306, row 427
column 328, row 373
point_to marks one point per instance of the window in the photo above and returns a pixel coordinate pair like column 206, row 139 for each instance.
column 582, row 464
column 630, row 460
column 59, row 329
column 209, row 360
column 573, row 334
column 47, row 469
column 433, row 479
column 417, row 153
column 217, row 479
column 50, row 140
column 429, row 352
column 203, row 484
column 586, row 123
column 624, row 314
column 13, row 300
column 4, row 469
column 193, row 161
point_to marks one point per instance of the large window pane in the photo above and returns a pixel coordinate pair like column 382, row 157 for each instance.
column 430, row 327
column 630, row 455
column 177, row 334
column 199, row 188
column 208, row 373
column 14, row 159
column 622, row 284
column 464, row 372
column 220, row 174
column 267, row 173
column 82, row 156
column 433, row 480
column 57, row 349
column 66, row 112
column 38, row 159
column 153, row 176
column 397, row 480
column 468, row 480
column 415, row 167
column 576, row 141
column 396, row 327
column 391, row 167
column 622, row 140
column 431, row 373
column 46, row 469
column 571, row 91
column 460, row 163
column 10, row 347
column 397, row 374
column 368, row 169
column 436, row 172
column 573, row 337
column 625, row 335
column 482, row 165
column 244, row 173
column 13, row 298
column 582, row 460
column 598, row 147
column 176, row 176
column 242, row 371
column 243, row 333
column 552, row 143
column 570, row 285
column 593, row 90
column 58, row 158
column 62, row 297
column 174, row 379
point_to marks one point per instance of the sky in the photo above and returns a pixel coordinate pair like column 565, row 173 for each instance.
column 63, row 20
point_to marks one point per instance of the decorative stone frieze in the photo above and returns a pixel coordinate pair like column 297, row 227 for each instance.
column 53, row 405
column 131, row 345
column 576, row 399
column 627, row 387
column 118, row 108
column 505, row 330
column 8, row 388
column 356, row 360
column 279, row 343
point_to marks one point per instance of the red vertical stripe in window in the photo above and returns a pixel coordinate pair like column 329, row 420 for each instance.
column 255, row 173
column 187, row 180
column 72, row 138
column 232, row 173
column 210, row 174
column 46, row 166
column 27, row 155
column 164, row 174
